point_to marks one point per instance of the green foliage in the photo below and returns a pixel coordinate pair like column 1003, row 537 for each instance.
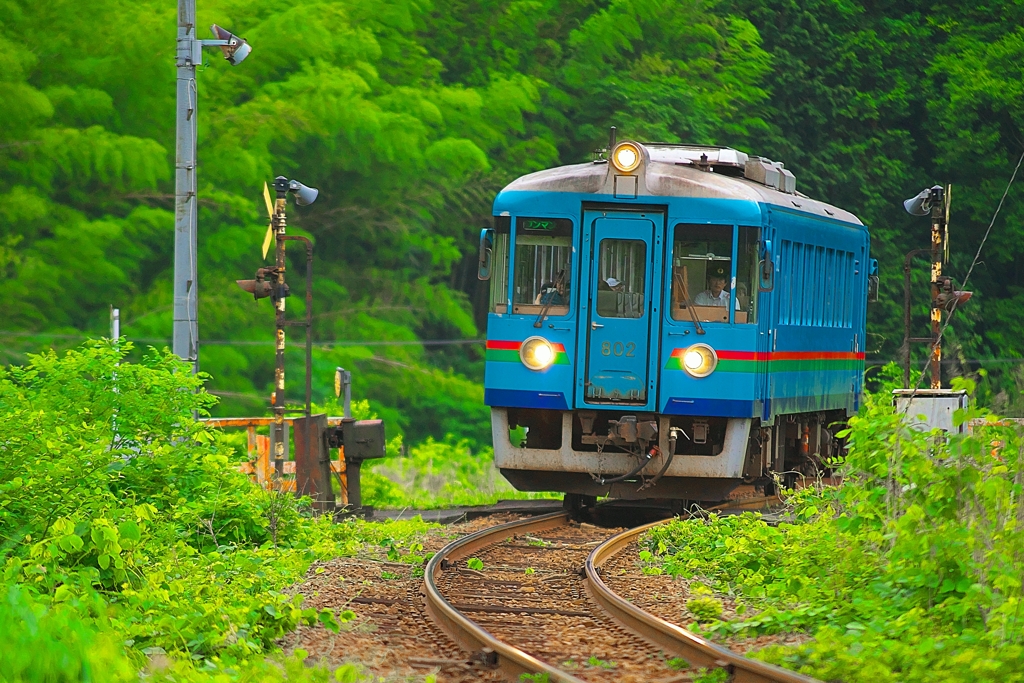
column 678, row 663
column 475, row 563
column 55, row 643
column 541, row 677
column 127, row 533
column 596, row 661
column 915, row 556
column 704, row 609
column 436, row 474
column 711, row 676
column 408, row 117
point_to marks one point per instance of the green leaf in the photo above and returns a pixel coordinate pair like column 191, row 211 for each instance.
column 326, row 617
column 129, row 530
column 475, row 563
column 71, row 543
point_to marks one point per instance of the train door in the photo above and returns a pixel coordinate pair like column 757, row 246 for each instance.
column 766, row 328
column 618, row 320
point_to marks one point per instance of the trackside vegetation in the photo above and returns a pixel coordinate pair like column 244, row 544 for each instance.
column 909, row 571
column 129, row 541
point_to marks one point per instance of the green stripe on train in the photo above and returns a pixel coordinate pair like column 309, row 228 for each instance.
column 815, row 365
column 508, row 356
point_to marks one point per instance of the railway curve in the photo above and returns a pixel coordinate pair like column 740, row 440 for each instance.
column 698, row 651
column 542, row 618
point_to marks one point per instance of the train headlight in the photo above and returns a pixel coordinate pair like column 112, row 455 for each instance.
column 700, row 360
column 537, row 353
column 626, row 157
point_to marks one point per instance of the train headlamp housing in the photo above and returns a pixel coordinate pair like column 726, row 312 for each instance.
column 626, row 157
column 700, row 360
column 537, row 353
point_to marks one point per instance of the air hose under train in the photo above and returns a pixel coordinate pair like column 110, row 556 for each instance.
column 673, row 436
column 647, row 457
column 652, row 452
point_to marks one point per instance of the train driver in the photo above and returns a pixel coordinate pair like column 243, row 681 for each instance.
column 715, row 294
column 551, row 293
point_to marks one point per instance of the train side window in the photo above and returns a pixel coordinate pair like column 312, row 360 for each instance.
column 543, row 266
column 621, row 273
column 701, row 272
column 499, row 273
column 747, row 255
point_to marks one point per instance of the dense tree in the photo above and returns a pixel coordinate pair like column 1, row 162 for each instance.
column 410, row 116
column 871, row 102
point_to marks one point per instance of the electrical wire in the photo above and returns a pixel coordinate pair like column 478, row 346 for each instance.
column 229, row 342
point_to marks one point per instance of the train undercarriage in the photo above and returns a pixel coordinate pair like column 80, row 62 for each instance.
column 636, row 455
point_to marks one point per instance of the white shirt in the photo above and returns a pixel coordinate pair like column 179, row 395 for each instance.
column 706, row 298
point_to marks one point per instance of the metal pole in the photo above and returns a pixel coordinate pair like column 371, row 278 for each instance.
column 906, row 314
column 938, row 237
column 309, row 316
column 185, row 337
column 324, row 461
column 347, row 407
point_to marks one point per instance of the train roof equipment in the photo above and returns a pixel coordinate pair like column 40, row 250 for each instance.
column 678, row 170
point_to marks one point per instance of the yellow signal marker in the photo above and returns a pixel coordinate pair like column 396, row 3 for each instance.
column 268, row 200
column 269, row 237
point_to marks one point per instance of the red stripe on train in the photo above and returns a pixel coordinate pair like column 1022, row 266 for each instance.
column 514, row 345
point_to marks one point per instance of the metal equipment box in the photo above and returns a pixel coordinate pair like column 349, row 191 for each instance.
column 928, row 409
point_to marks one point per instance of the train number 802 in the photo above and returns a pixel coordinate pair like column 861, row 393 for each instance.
column 618, row 348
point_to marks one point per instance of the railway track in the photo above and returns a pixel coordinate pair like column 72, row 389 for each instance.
column 536, row 607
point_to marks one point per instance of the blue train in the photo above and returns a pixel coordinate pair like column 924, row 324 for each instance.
column 669, row 322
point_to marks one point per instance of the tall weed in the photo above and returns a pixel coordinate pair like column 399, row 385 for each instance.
column 911, row 570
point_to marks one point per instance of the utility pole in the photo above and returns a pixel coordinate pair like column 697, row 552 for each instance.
column 185, row 339
column 185, row 336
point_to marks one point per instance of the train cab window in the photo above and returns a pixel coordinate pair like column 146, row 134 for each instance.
column 702, row 272
column 543, row 265
column 746, row 274
column 621, row 273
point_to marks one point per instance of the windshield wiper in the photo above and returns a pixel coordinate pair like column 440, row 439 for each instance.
column 544, row 311
column 685, row 291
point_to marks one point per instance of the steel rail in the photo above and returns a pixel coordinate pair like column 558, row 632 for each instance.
column 464, row 631
column 696, row 650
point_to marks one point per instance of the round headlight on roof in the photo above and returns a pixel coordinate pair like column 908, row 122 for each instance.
column 537, row 353
column 699, row 360
column 626, row 157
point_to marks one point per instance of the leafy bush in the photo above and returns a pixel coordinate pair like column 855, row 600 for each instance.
column 124, row 524
column 909, row 571
column 42, row 643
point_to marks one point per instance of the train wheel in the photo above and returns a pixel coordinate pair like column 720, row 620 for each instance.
column 575, row 503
